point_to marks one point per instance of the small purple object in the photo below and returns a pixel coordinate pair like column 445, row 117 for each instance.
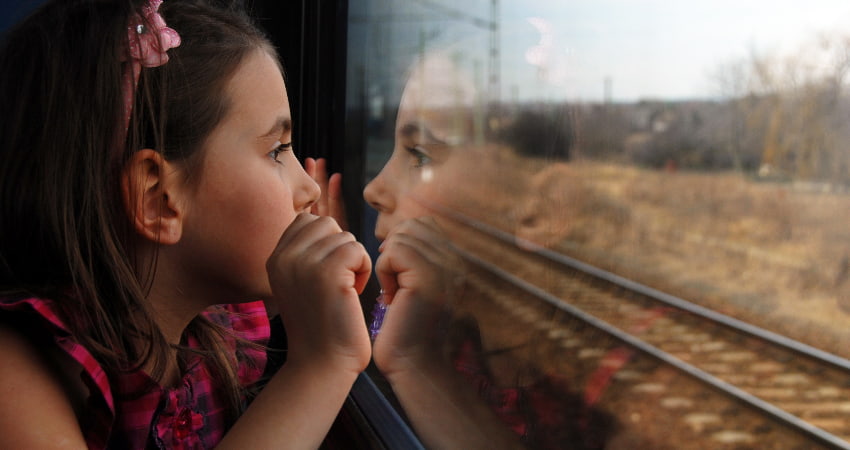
column 378, row 313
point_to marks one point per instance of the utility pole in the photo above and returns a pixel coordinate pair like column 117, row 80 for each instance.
column 492, row 26
column 494, row 61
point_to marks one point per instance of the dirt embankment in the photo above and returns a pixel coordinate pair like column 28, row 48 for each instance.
column 765, row 253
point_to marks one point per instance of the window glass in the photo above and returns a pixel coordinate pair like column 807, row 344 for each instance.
column 645, row 203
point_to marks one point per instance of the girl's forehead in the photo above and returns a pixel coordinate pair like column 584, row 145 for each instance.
column 436, row 81
column 452, row 126
column 258, row 95
column 436, row 91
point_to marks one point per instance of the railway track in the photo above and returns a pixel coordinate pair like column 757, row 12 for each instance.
column 673, row 374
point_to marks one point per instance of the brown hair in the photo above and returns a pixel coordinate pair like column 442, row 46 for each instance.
column 64, row 234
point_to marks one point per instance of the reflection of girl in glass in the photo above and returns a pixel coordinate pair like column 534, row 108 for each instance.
column 447, row 158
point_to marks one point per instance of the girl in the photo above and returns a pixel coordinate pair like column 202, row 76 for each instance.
column 147, row 175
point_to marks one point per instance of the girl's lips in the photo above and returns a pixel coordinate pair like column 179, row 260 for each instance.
column 384, row 223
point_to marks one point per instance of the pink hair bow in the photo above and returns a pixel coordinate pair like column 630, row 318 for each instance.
column 149, row 40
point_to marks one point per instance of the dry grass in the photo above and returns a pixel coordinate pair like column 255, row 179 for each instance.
column 762, row 252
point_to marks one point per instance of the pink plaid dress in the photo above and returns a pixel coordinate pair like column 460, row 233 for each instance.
column 131, row 411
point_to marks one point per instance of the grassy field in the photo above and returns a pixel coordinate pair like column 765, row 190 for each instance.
column 767, row 253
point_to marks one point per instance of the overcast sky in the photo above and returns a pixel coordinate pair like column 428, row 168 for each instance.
column 648, row 48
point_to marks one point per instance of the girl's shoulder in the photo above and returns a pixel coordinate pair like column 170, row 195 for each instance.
column 38, row 320
column 39, row 382
column 33, row 306
column 123, row 408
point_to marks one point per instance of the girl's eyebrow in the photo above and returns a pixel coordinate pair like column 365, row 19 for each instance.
column 281, row 125
column 411, row 129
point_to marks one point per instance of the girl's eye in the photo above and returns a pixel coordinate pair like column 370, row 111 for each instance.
column 420, row 155
column 278, row 149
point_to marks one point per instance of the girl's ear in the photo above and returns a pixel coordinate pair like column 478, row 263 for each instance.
column 553, row 206
column 151, row 197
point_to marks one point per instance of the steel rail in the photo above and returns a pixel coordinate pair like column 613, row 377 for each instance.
column 671, row 300
column 639, row 344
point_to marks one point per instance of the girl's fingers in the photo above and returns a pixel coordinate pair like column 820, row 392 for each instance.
column 331, row 202
column 424, row 235
column 344, row 246
column 313, row 241
column 336, row 205
column 416, row 246
column 310, row 167
column 297, row 235
column 364, row 270
column 387, row 280
column 321, row 175
column 408, row 263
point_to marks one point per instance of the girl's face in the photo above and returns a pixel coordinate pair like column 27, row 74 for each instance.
column 441, row 159
column 250, row 188
column 427, row 168
column 417, row 156
column 437, row 159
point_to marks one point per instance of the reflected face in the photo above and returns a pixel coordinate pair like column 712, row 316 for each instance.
column 441, row 160
column 251, row 186
column 431, row 151
column 423, row 169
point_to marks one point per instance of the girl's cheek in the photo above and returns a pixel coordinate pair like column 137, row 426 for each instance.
column 413, row 207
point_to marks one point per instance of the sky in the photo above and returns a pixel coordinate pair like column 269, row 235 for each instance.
column 648, row 49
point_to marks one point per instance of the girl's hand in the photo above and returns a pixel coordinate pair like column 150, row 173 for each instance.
column 417, row 271
column 316, row 273
column 330, row 203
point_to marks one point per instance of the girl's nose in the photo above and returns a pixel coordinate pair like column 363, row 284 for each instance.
column 378, row 195
column 308, row 192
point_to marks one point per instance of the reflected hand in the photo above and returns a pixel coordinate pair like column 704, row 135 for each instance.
column 418, row 273
column 330, row 203
column 421, row 274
